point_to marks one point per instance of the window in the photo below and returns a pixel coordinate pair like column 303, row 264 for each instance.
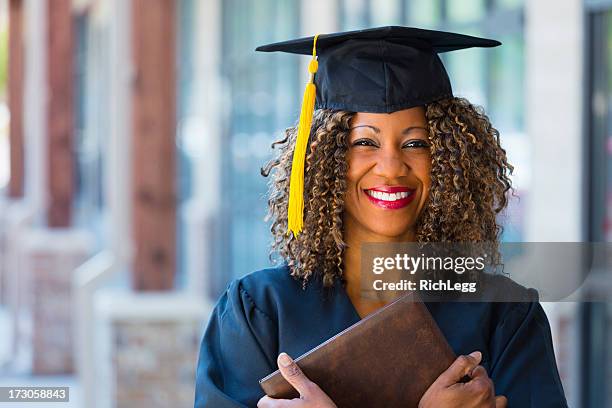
column 386, row 12
column 264, row 101
column 258, row 97
column 465, row 11
column 597, row 334
column 354, row 14
column 92, row 112
column 424, row 13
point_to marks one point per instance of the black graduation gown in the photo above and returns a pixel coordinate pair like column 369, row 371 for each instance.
column 267, row 312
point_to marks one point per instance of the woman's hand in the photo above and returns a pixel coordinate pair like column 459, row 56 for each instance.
column 311, row 396
column 448, row 392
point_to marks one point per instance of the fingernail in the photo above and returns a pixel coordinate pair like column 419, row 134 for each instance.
column 285, row 360
column 476, row 354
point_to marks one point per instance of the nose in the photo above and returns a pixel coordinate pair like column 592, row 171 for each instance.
column 390, row 163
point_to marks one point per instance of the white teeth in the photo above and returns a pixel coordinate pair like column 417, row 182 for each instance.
column 386, row 196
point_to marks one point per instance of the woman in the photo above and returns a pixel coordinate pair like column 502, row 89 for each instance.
column 445, row 175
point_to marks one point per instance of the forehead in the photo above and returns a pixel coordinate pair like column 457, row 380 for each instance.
column 404, row 117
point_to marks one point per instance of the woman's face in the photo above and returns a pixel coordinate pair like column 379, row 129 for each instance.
column 388, row 178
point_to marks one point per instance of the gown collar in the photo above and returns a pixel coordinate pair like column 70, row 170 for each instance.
column 342, row 301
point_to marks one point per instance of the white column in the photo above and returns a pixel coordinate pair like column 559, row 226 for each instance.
column 20, row 215
column 34, row 109
column 98, row 270
column 117, row 175
column 554, row 90
column 554, row 95
column 201, row 133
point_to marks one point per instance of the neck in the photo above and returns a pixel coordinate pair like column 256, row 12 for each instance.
column 354, row 236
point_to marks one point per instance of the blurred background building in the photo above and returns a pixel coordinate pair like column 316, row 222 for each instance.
column 131, row 138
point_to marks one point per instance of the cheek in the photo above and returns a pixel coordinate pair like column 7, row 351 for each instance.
column 356, row 170
column 356, row 166
column 422, row 171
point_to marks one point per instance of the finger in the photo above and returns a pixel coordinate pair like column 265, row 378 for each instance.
column 267, row 402
column 480, row 383
column 480, row 386
column 478, row 371
column 501, row 401
column 293, row 374
column 460, row 367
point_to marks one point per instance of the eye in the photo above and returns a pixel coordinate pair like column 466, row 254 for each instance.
column 364, row 142
column 417, row 143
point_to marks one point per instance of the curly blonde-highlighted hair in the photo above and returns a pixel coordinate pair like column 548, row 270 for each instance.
column 470, row 179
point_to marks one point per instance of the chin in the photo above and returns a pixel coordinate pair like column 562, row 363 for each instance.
column 390, row 231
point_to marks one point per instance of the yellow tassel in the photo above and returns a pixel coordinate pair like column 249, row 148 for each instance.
column 296, row 186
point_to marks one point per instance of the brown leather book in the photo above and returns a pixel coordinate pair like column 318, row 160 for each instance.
column 388, row 359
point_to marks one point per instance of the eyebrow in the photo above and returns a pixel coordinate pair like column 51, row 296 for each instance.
column 377, row 130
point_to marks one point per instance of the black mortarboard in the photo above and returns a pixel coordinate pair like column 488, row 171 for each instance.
column 379, row 70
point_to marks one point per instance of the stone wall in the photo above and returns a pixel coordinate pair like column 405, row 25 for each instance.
column 147, row 348
column 155, row 363
column 49, row 258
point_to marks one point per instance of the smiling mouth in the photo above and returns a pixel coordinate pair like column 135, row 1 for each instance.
column 390, row 197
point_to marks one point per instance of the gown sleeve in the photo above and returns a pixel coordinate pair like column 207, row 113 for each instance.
column 523, row 360
column 237, row 349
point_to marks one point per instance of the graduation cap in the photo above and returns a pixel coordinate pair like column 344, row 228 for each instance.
column 380, row 70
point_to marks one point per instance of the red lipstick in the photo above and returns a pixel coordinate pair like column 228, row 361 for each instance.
column 390, row 197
